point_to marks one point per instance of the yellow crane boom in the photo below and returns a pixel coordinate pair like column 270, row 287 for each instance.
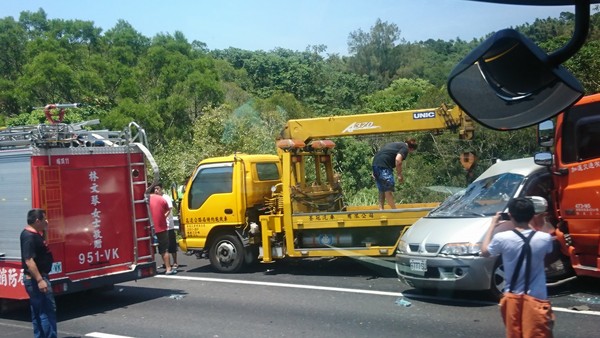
column 432, row 119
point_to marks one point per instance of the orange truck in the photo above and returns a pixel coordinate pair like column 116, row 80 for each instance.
column 93, row 186
column 575, row 165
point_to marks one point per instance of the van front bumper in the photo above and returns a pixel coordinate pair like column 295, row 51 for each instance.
column 456, row 273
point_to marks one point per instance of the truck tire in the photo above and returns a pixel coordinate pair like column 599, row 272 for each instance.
column 497, row 280
column 226, row 253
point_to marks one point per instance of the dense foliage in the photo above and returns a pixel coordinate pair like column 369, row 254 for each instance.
column 194, row 102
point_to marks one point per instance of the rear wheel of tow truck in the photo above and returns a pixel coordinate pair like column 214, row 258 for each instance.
column 497, row 280
column 226, row 253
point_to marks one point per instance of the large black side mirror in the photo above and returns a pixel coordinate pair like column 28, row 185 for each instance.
column 509, row 83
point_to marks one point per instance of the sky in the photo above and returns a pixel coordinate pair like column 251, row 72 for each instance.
column 269, row 24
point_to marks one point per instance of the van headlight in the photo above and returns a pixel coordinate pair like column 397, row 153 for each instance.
column 402, row 247
column 461, row 249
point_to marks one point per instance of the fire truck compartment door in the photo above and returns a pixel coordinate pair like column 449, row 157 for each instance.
column 15, row 200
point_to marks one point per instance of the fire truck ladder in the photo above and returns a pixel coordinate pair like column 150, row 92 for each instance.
column 138, row 178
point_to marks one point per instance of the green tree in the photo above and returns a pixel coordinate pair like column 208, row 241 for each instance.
column 373, row 52
column 353, row 158
column 47, row 79
column 402, row 94
column 124, row 44
column 123, row 49
column 12, row 60
column 287, row 106
column 144, row 114
column 325, row 86
column 35, row 23
column 178, row 82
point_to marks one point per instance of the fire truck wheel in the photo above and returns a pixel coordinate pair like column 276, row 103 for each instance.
column 226, row 253
column 497, row 280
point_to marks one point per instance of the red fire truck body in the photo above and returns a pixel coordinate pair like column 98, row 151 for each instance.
column 93, row 186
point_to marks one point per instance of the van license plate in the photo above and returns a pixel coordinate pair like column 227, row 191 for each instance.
column 418, row 265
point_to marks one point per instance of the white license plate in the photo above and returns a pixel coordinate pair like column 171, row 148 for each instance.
column 418, row 265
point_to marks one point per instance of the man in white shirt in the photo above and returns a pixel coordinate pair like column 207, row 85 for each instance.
column 509, row 244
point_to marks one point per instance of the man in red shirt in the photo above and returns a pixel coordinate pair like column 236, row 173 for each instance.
column 159, row 208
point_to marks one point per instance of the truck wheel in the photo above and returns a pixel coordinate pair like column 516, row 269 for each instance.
column 226, row 253
column 497, row 280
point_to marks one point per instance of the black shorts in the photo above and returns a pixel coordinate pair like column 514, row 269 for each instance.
column 163, row 241
column 172, row 241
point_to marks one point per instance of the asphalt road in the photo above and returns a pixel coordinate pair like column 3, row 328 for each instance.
column 306, row 298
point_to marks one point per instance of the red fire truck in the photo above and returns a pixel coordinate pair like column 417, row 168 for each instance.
column 93, row 186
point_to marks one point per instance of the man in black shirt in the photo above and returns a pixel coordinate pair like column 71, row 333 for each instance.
column 390, row 156
column 36, row 260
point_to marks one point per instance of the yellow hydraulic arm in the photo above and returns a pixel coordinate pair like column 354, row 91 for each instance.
column 435, row 119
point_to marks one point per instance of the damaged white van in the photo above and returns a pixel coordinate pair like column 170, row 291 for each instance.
column 442, row 250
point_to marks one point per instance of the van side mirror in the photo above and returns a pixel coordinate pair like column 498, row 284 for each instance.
column 545, row 133
column 543, row 158
column 540, row 205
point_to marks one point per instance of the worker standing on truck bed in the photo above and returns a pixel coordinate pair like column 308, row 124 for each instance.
column 390, row 156
column 37, row 262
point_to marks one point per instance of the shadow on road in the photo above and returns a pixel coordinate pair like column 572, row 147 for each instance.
column 368, row 267
column 582, row 284
column 452, row 297
column 582, row 293
column 93, row 302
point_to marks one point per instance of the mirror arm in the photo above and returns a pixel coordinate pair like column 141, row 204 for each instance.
column 561, row 172
column 582, row 26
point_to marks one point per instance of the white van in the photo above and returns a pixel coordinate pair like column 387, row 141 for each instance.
column 442, row 250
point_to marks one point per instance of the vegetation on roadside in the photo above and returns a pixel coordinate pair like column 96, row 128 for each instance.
column 194, row 102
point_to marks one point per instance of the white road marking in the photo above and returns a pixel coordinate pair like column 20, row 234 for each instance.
column 358, row 291
column 104, row 335
column 283, row 285
column 562, row 309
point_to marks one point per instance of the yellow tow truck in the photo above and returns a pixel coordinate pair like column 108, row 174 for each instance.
column 242, row 208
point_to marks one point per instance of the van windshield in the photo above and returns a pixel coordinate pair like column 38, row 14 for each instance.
column 481, row 198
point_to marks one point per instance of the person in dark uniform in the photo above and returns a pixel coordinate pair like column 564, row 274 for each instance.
column 390, row 156
column 36, row 260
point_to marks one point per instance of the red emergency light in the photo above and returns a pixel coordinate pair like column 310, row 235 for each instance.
column 288, row 144
column 322, row 144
